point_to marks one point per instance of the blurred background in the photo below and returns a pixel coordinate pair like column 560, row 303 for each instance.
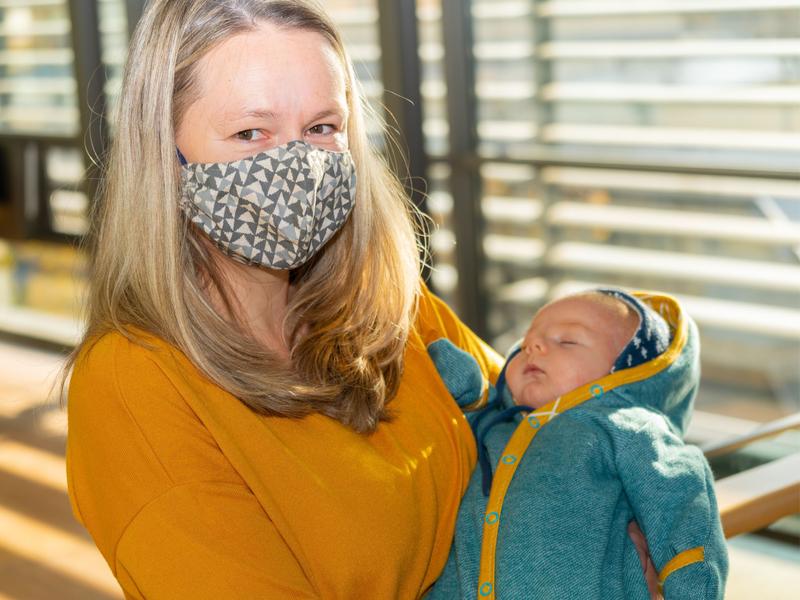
column 556, row 144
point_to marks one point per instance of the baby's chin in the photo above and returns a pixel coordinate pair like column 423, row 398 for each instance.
column 527, row 391
column 531, row 399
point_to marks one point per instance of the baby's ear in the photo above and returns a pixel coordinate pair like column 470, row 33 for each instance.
column 459, row 371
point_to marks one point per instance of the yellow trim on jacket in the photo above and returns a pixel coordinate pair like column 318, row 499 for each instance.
column 680, row 560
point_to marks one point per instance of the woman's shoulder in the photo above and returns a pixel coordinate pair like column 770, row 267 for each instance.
column 130, row 373
column 434, row 317
column 114, row 353
column 133, row 433
column 436, row 321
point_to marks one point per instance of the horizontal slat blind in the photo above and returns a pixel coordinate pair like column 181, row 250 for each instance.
column 38, row 94
column 706, row 93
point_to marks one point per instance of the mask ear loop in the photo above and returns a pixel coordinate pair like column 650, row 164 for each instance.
column 181, row 157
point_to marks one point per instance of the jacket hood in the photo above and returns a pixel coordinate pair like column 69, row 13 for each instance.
column 669, row 382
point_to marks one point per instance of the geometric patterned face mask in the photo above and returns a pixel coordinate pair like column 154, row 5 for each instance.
column 275, row 209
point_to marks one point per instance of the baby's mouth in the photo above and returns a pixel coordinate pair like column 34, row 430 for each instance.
column 532, row 370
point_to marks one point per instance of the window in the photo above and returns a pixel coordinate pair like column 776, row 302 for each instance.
column 37, row 83
column 647, row 145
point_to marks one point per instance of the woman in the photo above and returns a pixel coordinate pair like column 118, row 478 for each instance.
column 181, row 461
column 252, row 413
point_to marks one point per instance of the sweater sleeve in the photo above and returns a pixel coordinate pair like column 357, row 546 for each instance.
column 172, row 517
column 207, row 540
column 436, row 320
column 670, row 488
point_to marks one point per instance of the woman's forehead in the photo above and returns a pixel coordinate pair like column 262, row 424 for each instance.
column 270, row 69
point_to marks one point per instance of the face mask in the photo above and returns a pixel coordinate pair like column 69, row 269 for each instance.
column 275, row 209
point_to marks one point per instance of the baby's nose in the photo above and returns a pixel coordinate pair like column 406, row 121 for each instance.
column 535, row 346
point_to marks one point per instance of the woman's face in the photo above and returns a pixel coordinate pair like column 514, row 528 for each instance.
column 265, row 88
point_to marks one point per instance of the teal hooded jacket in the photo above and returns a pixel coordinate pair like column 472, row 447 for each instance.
column 567, row 478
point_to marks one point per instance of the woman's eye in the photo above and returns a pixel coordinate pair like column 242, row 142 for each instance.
column 248, row 135
column 567, row 342
column 323, row 129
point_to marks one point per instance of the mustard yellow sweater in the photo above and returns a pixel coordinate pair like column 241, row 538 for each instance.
column 189, row 494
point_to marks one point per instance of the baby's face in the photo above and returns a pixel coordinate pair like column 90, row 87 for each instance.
column 570, row 342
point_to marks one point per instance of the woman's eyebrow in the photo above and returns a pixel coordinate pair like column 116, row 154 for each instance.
column 258, row 113
column 330, row 112
column 269, row 115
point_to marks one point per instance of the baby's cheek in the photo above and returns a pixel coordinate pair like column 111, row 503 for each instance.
column 577, row 376
column 514, row 374
column 592, row 370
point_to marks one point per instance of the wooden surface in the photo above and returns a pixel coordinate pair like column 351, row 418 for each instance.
column 44, row 552
column 755, row 498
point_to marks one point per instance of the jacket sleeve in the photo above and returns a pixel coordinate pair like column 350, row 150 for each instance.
column 459, row 371
column 169, row 513
column 670, row 488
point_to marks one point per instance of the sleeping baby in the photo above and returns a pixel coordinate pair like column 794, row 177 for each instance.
column 581, row 436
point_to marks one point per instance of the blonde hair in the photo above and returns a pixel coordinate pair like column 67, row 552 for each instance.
column 355, row 301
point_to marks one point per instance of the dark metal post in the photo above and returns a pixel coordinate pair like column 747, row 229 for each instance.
column 465, row 179
column 400, row 67
column 91, row 78
column 12, row 211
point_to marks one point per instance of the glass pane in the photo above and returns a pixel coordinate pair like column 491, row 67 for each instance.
column 113, row 47
column 434, row 90
column 42, row 289
column 444, row 274
column 65, row 167
column 702, row 83
column 717, row 81
column 37, row 82
column 505, row 77
column 358, row 22
column 727, row 247
column 720, row 81
column 48, row 277
column 69, row 205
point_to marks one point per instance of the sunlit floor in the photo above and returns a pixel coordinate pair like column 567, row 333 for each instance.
column 45, row 554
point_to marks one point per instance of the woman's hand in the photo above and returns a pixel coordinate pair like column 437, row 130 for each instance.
column 648, row 567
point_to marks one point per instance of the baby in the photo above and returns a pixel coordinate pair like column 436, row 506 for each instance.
column 608, row 386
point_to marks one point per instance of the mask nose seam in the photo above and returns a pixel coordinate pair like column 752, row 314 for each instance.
column 316, row 160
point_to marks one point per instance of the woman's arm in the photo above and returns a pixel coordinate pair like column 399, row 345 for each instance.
column 207, row 540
